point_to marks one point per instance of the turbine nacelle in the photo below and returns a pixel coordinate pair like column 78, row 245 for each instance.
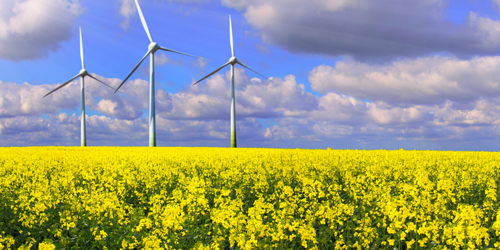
column 233, row 60
column 153, row 47
column 83, row 72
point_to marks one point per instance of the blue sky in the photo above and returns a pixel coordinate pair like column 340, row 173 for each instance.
column 378, row 74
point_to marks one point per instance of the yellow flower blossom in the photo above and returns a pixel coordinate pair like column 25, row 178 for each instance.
column 216, row 198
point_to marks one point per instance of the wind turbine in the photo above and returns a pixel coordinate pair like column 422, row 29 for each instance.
column 152, row 48
column 83, row 73
column 231, row 61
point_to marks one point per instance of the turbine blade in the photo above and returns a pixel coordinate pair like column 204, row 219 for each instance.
column 170, row 50
column 137, row 66
column 231, row 35
column 62, row 85
column 81, row 49
column 91, row 76
column 215, row 71
column 144, row 24
column 267, row 78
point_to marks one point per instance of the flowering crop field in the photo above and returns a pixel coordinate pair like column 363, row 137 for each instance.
column 221, row 198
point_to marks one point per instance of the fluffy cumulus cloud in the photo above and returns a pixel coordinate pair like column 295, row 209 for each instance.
column 199, row 63
column 431, row 80
column 27, row 100
column 29, row 29
column 254, row 98
column 64, row 130
column 127, row 9
column 369, row 29
column 128, row 104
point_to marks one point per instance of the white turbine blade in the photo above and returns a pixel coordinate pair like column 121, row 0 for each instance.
column 267, row 78
column 170, row 50
column 81, row 49
column 62, row 85
column 231, row 35
column 137, row 66
column 144, row 24
column 91, row 76
column 215, row 71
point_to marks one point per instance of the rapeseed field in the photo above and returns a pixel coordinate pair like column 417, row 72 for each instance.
column 220, row 198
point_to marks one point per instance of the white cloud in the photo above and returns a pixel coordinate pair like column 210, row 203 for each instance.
column 162, row 59
column 396, row 115
column 261, row 16
column 29, row 29
column 482, row 113
column 254, row 98
column 127, row 10
column 27, row 131
column 431, row 80
column 129, row 105
column 25, row 99
column 340, row 109
column 200, row 63
column 237, row 4
column 486, row 28
column 63, row 130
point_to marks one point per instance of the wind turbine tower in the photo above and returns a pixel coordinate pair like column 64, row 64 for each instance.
column 152, row 48
column 231, row 61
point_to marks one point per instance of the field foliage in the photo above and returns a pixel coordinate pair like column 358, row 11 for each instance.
column 220, row 198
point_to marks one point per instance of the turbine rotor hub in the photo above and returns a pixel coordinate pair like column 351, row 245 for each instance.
column 153, row 47
column 233, row 60
column 83, row 72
